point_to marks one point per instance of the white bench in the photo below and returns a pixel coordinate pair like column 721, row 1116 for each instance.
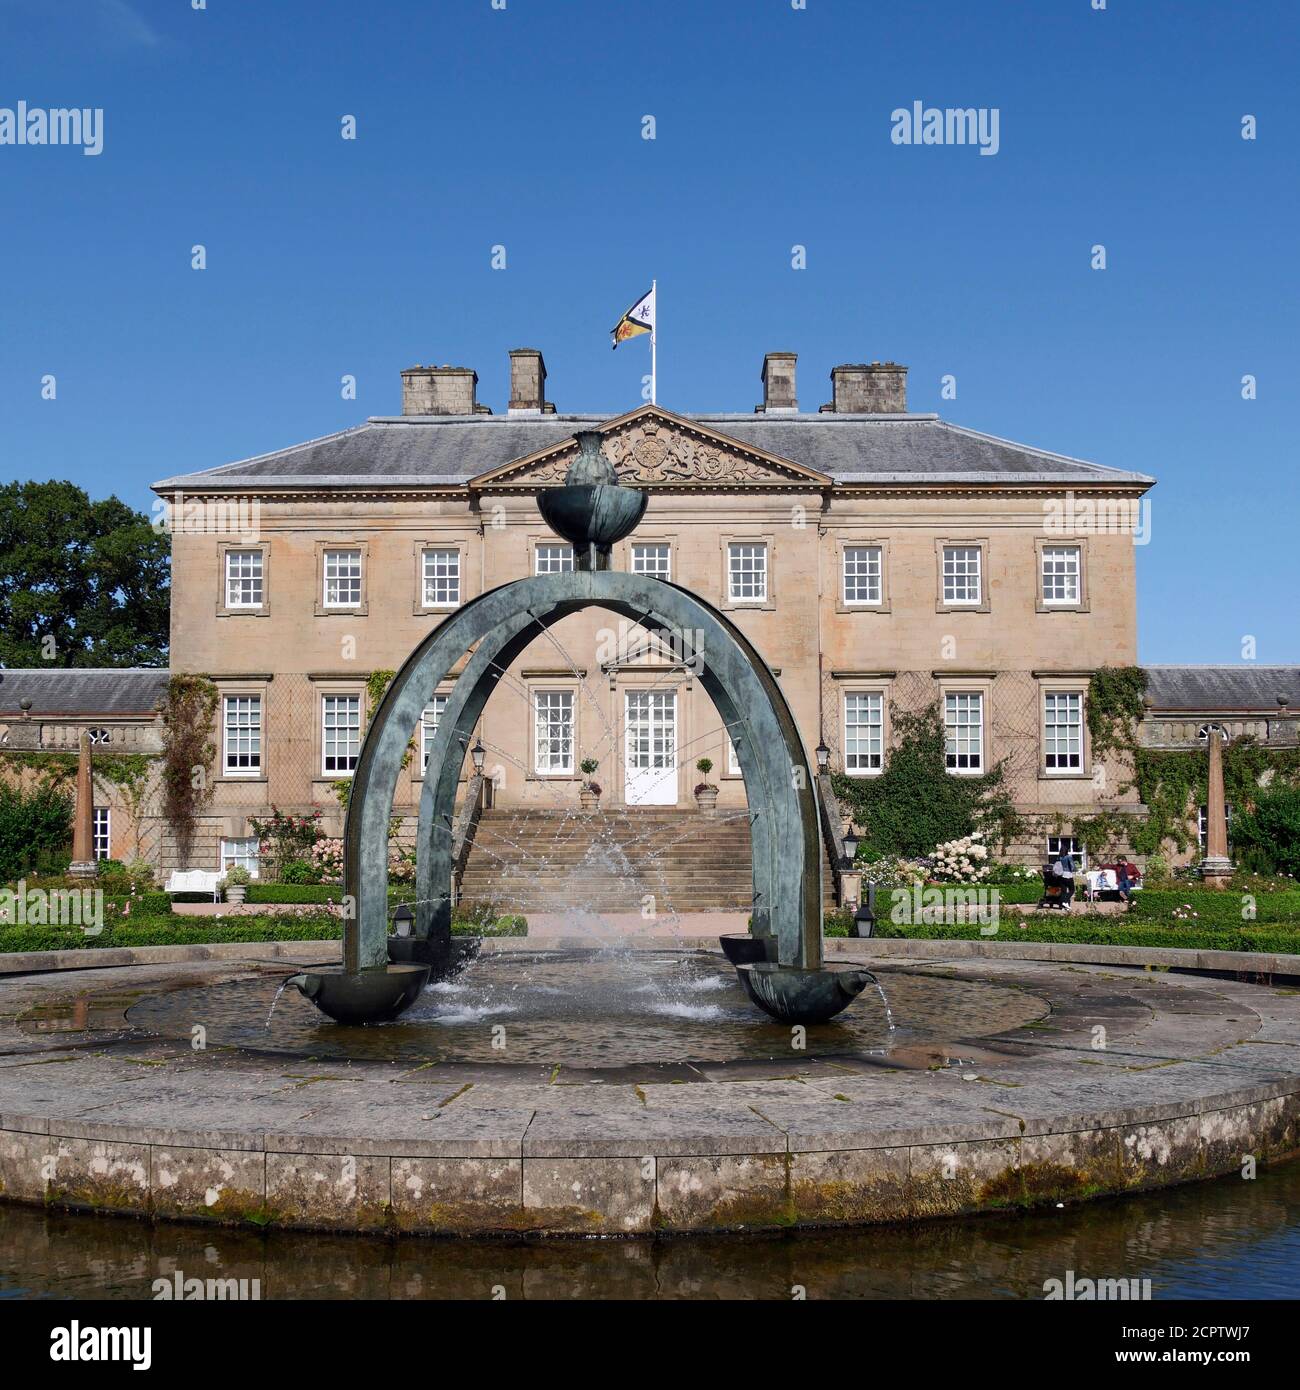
column 195, row 881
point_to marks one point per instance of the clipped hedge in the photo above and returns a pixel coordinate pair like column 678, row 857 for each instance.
column 1093, row 931
column 1219, row 906
column 177, row 931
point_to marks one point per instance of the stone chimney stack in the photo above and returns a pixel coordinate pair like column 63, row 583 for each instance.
column 778, row 384
column 876, row 388
column 440, row 391
column 527, row 382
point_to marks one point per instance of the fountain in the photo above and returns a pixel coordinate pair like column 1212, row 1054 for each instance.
column 782, row 970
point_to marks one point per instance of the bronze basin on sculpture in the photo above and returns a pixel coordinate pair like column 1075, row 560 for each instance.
column 781, row 966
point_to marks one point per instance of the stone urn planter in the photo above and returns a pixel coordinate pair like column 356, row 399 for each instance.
column 706, row 794
column 589, row 792
column 236, row 884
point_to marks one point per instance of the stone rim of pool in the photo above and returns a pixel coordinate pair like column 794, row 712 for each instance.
column 1196, row 1074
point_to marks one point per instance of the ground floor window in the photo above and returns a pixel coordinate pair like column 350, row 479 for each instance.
column 1063, row 731
column 1203, row 822
column 102, row 832
column 864, row 725
column 963, row 716
column 553, row 732
column 429, row 726
column 1057, row 845
column 240, row 853
column 242, row 723
column 341, row 732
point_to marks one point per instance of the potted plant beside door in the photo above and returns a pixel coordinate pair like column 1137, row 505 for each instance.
column 706, row 794
column 589, row 792
column 236, row 883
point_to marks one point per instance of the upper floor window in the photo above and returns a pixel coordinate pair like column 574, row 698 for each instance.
column 961, row 574
column 340, row 733
column 1063, row 731
column 101, row 831
column 733, row 761
column 554, row 559
column 429, row 726
column 241, row 723
column 441, row 578
column 342, row 579
column 1060, row 574
column 553, row 731
column 747, row 571
column 244, row 578
column 864, row 729
column 963, row 717
column 862, row 573
column 652, row 559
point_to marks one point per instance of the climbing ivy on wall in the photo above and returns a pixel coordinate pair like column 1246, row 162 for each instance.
column 1171, row 782
column 188, row 709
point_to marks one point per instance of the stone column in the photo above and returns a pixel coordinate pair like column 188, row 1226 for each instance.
column 83, row 819
column 1216, row 867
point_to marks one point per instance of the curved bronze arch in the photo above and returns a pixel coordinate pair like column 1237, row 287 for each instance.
column 784, row 825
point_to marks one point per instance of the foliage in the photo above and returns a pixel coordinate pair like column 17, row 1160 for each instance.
column 916, row 803
column 237, row 876
column 34, row 821
column 327, row 861
column 92, row 576
column 283, row 838
column 187, row 710
column 589, row 765
column 1115, row 706
column 1222, row 907
column 299, row 871
column 1271, row 828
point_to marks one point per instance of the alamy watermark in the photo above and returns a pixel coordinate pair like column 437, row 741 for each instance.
column 949, row 125
column 55, row 125
column 21, row 906
column 1098, row 516
column 240, row 517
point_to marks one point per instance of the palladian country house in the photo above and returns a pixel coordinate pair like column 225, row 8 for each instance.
column 882, row 562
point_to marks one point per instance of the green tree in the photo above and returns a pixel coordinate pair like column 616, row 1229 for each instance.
column 1271, row 828
column 92, row 575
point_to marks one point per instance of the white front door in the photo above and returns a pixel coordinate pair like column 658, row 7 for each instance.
column 650, row 764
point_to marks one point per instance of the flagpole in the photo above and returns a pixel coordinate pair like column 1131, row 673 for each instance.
column 654, row 290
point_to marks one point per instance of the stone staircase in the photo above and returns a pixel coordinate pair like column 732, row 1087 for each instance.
column 607, row 861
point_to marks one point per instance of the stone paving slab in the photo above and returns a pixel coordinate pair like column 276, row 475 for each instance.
column 1192, row 1074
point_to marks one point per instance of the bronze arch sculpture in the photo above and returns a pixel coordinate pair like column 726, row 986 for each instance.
column 791, row 982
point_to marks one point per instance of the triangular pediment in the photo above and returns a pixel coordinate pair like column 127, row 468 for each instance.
column 651, row 447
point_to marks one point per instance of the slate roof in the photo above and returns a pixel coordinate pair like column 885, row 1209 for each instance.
column 129, row 691
column 1207, row 688
column 421, row 450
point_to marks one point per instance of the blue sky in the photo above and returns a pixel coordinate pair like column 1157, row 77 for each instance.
column 522, row 127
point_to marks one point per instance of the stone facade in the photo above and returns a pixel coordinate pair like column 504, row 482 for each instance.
column 836, row 573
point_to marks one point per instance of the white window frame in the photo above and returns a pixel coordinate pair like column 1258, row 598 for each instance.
column 875, row 578
column 751, row 576
column 250, row 733
column 663, row 551
column 101, row 832
column 1061, row 555
column 876, row 723
column 559, row 558
column 233, row 850
column 953, row 557
column 235, row 582
column 959, row 702
column 1057, row 731
column 1202, row 823
column 429, row 721
column 1061, row 844
column 332, row 558
column 450, row 579
column 551, row 764
column 341, row 703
